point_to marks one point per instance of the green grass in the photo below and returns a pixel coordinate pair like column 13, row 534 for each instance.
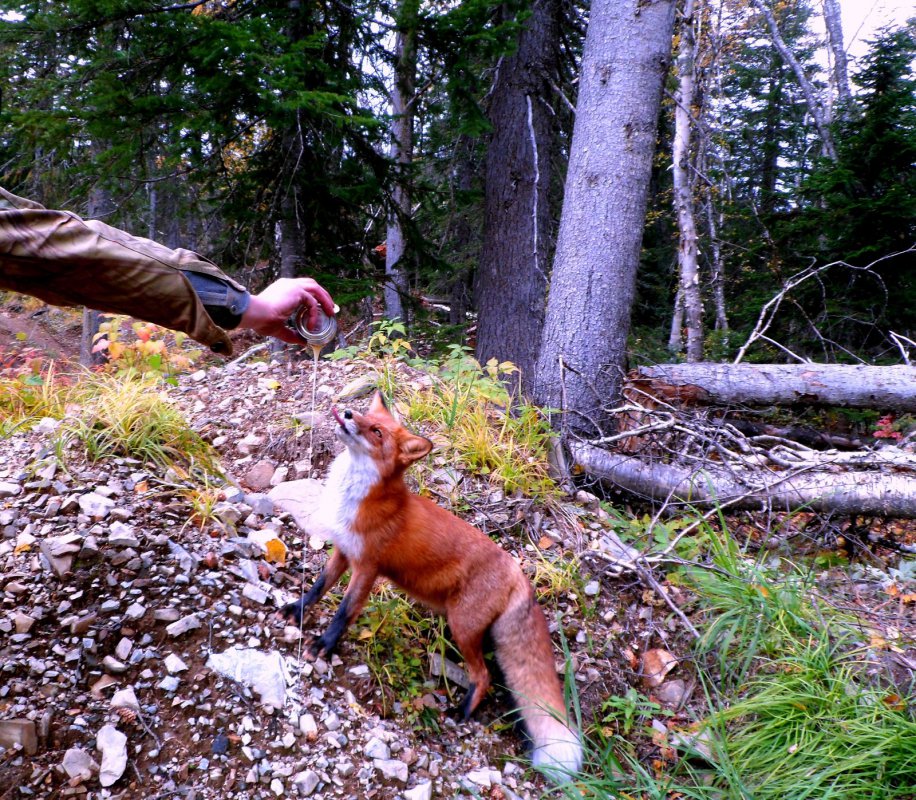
column 129, row 416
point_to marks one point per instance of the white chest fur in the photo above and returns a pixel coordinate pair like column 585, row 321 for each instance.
column 349, row 480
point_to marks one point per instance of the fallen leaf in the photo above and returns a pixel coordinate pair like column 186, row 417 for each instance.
column 276, row 552
column 656, row 664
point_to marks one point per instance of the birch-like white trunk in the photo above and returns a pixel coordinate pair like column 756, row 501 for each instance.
column 839, row 70
column 688, row 269
column 624, row 64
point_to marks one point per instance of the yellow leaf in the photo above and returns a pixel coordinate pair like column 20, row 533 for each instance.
column 272, row 384
column 276, row 551
column 22, row 548
column 115, row 350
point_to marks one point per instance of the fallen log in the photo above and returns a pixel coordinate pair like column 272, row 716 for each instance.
column 847, row 385
column 884, row 489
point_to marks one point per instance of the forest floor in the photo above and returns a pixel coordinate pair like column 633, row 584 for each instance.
column 114, row 596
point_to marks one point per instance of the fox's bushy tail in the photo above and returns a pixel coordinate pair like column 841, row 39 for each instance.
column 525, row 656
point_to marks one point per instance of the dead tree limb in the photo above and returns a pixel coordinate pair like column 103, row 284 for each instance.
column 847, row 385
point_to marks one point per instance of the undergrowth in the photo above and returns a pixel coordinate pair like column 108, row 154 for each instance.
column 796, row 706
column 468, row 412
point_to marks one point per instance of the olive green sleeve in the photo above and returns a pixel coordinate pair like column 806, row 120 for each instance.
column 65, row 260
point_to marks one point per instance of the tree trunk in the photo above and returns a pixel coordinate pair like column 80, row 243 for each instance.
column 688, row 269
column 676, row 334
column 624, row 64
column 511, row 285
column 811, row 99
column 886, row 492
column 850, row 386
column 100, row 205
column 396, row 283
column 839, row 72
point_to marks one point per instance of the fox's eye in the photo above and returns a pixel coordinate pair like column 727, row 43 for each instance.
column 377, row 432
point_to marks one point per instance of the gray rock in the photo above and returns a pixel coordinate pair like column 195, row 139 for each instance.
column 8, row 489
column 422, row 791
column 19, row 732
column 78, row 764
column 302, row 499
column 376, row 749
column 306, row 782
column 392, row 769
column 96, row 505
column 113, row 746
column 183, row 625
column 121, row 535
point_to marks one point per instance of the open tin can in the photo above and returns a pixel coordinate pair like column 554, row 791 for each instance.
column 324, row 333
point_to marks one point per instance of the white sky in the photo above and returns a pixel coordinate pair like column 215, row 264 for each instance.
column 861, row 18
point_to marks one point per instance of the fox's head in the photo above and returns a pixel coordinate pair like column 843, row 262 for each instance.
column 378, row 435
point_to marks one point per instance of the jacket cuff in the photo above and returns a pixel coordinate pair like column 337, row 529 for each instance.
column 224, row 303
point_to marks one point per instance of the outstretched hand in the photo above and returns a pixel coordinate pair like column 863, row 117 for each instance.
column 269, row 311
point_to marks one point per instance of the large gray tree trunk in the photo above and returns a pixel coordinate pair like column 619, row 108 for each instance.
column 511, row 285
column 396, row 278
column 100, row 206
column 624, row 64
column 848, row 385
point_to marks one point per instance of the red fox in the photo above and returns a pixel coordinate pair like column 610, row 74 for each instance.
column 380, row 529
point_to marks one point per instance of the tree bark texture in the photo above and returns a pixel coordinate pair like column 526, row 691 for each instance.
column 682, row 153
column 624, row 64
column 101, row 205
column 511, row 285
column 396, row 278
column 839, row 71
column 886, row 492
column 811, row 99
column 852, row 386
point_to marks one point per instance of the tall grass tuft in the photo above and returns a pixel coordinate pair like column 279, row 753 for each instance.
column 129, row 416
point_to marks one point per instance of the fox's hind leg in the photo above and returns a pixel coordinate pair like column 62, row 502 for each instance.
column 469, row 639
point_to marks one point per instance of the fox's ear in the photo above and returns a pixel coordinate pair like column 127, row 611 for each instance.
column 413, row 448
column 378, row 404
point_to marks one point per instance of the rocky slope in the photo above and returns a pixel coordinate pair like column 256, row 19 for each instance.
column 140, row 651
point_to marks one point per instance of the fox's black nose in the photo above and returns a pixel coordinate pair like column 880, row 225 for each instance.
column 348, row 414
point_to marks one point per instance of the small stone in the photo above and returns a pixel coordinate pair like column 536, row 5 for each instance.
column 113, row 746
column 121, row 535
column 170, row 683
column 8, row 489
column 392, row 769
column 255, row 593
column 78, row 764
column 309, row 727
column 23, row 622
column 135, row 611
column 376, row 748
column 422, row 791
column 259, row 476
column 220, row 744
column 592, row 588
column 276, row 786
column 123, row 648
column 480, row 777
column 19, row 732
column 125, row 698
column 169, row 614
column 112, row 665
column 174, row 664
column 96, row 505
column 306, row 782
column 183, row 625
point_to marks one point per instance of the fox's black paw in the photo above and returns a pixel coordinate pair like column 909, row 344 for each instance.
column 293, row 612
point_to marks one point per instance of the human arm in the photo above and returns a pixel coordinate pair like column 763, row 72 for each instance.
column 65, row 260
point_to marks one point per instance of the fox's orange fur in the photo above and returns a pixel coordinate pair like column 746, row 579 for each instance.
column 380, row 529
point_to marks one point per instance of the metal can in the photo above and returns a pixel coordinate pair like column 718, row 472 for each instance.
column 323, row 334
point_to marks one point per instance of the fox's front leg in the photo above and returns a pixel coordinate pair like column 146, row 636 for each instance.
column 337, row 565
column 361, row 582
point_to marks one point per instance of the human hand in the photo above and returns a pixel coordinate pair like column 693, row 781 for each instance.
column 268, row 312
